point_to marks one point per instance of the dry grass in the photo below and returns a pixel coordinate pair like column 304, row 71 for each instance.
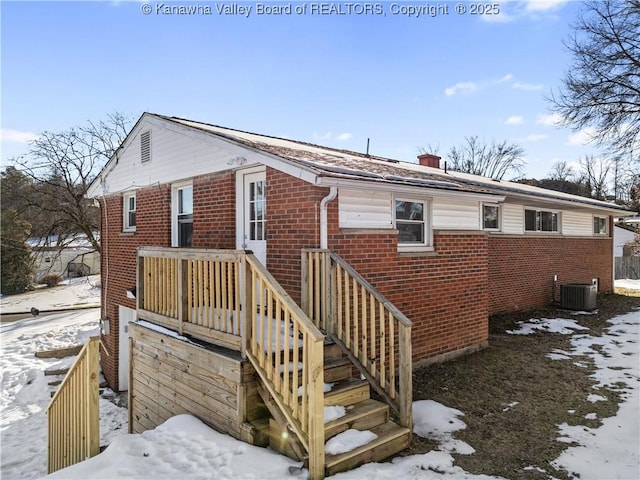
column 512, row 369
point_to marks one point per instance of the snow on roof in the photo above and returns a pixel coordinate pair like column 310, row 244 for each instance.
column 78, row 240
column 329, row 161
column 336, row 165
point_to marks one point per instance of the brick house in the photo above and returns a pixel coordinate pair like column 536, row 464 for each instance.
column 447, row 249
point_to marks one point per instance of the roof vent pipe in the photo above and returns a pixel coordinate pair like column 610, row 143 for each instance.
column 324, row 230
column 429, row 160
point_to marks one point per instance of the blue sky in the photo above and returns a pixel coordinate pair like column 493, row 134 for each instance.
column 404, row 82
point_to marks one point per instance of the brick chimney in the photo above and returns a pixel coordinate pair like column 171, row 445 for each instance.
column 428, row 160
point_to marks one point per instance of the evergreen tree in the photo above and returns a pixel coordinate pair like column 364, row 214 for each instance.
column 15, row 254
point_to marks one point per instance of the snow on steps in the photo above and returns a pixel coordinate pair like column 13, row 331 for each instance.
column 362, row 413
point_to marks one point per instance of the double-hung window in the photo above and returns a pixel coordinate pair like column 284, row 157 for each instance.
column 600, row 225
column 412, row 222
column 541, row 221
column 183, row 216
column 129, row 210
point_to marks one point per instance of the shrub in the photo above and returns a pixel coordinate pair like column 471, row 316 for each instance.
column 52, row 279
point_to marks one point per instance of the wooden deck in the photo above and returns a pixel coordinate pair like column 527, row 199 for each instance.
column 256, row 364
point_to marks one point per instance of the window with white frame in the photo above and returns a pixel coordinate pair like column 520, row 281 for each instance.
column 600, row 225
column 491, row 216
column 411, row 219
column 129, row 209
column 183, row 216
column 541, row 220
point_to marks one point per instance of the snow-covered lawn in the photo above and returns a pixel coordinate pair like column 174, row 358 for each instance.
column 72, row 293
column 183, row 447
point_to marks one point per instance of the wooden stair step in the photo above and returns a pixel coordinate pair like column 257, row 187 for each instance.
column 336, row 369
column 361, row 416
column 347, row 392
column 392, row 439
column 332, row 349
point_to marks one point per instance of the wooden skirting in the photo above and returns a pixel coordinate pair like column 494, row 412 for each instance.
column 170, row 376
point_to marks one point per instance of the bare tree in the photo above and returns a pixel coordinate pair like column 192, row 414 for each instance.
column 61, row 166
column 595, row 174
column 601, row 89
column 562, row 171
column 493, row 160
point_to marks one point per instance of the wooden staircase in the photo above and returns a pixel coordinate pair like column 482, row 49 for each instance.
column 362, row 413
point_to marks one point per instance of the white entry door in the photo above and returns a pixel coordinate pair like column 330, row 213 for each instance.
column 125, row 315
column 252, row 228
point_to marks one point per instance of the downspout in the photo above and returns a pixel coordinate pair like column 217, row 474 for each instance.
column 324, row 230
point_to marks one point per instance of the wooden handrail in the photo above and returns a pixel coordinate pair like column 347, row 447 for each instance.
column 73, row 423
column 284, row 346
column 372, row 331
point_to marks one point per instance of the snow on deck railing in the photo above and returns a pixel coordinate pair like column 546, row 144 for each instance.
column 73, row 423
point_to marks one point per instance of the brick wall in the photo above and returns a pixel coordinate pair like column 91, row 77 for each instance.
column 522, row 268
column 153, row 211
column 444, row 293
column 214, row 211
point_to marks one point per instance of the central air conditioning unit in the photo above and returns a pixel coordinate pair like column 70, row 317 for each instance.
column 579, row 296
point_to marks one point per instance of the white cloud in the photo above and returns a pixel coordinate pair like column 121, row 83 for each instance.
column 527, row 86
column 549, row 120
column 581, row 137
column 9, row 135
column 330, row 136
column 543, row 5
column 322, row 136
column 507, row 78
column 461, row 87
column 515, row 120
column 534, row 137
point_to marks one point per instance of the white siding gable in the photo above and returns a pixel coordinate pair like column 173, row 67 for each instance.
column 177, row 153
column 364, row 209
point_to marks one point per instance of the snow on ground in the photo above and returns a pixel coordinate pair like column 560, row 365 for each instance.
column 183, row 447
column 73, row 293
column 613, row 449
column 628, row 284
column 25, row 393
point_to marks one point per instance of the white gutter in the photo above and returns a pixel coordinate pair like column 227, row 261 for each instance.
column 324, row 230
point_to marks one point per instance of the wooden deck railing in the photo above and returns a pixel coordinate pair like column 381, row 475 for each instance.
column 73, row 424
column 192, row 291
column 229, row 298
column 373, row 332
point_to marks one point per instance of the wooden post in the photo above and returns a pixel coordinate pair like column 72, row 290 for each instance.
column 183, row 281
column 405, row 379
column 243, row 300
column 316, row 410
column 327, row 293
column 140, row 283
column 304, row 283
column 130, row 396
column 93, row 397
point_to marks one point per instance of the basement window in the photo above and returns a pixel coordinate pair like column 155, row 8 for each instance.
column 541, row 221
column 129, row 209
column 411, row 218
column 601, row 225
